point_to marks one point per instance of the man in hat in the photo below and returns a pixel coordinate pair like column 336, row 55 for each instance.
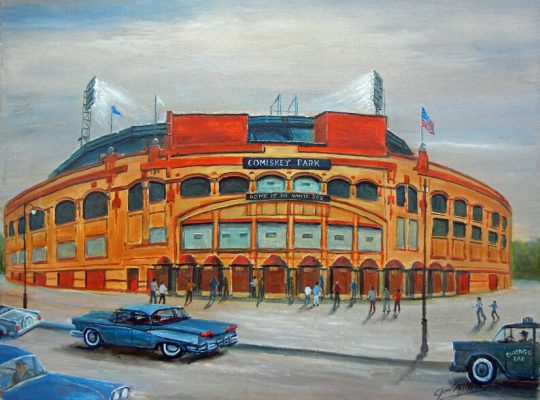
column 523, row 336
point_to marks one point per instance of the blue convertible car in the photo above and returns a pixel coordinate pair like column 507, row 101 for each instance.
column 152, row 326
column 22, row 377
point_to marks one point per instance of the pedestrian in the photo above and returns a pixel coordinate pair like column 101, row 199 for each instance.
column 153, row 290
column 253, row 287
column 479, row 310
column 260, row 289
column 316, row 294
column 337, row 293
column 189, row 292
column 386, row 295
column 307, row 292
column 494, row 307
column 397, row 300
column 162, row 290
column 353, row 291
column 213, row 288
column 371, row 297
column 225, row 291
column 321, row 284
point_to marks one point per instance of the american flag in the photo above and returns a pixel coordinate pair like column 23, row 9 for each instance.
column 427, row 122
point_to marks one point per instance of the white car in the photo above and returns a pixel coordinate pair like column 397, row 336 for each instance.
column 17, row 321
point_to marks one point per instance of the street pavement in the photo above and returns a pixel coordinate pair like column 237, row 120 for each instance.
column 349, row 330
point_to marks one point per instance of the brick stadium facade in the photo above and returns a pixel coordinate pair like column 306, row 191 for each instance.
column 289, row 199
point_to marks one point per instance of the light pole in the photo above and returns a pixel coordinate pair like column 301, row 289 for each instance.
column 424, row 346
column 25, row 294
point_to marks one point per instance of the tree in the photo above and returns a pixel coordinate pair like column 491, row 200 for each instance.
column 526, row 259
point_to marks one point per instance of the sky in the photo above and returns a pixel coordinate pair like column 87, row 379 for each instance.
column 475, row 66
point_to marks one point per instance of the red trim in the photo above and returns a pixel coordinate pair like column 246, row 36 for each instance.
column 197, row 221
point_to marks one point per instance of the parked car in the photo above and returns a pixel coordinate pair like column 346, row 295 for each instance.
column 17, row 321
column 514, row 352
column 153, row 326
column 22, row 377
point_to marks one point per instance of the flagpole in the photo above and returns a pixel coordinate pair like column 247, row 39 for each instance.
column 111, row 118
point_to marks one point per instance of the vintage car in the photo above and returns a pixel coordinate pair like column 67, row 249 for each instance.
column 22, row 377
column 153, row 326
column 515, row 352
column 17, row 321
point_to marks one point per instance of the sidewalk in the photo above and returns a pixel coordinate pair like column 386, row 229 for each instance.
column 347, row 331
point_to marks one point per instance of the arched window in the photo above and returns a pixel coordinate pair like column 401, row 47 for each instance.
column 504, row 223
column 64, row 212
column 438, row 203
column 21, row 227
column 195, row 187
column 477, row 213
column 400, row 196
column 37, row 220
column 11, row 228
column 135, row 197
column 269, row 184
column 366, row 191
column 412, row 200
column 495, row 217
column 339, row 188
column 233, row 185
column 157, row 192
column 95, row 205
column 460, row 208
column 306, row 184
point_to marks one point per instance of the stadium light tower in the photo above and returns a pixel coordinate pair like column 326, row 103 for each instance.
column 89, row 98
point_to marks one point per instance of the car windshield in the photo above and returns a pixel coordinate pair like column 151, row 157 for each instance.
column 18, row 370
column 162, row 317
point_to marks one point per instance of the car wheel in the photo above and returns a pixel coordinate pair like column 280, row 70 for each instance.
column 171, row 350
column 482, row 371
column 92, row 338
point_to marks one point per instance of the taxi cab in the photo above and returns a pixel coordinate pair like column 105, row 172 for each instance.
column 514, row 352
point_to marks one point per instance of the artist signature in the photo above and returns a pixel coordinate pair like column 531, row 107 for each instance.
column 457, row 389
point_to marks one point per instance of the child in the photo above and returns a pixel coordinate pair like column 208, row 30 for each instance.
column 494, row 307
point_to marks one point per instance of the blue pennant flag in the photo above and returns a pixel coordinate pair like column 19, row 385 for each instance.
column 114, row 111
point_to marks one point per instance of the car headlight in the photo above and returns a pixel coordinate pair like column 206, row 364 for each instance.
column 124, row 394
column 116, row 395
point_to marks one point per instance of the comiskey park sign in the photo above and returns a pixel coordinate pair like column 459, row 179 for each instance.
column 286, row 163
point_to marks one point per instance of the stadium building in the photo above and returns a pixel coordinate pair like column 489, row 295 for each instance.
column 289, row 199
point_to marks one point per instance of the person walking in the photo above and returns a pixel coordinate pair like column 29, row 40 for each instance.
column 316, row 294
column 260, row 290
column 213, row 288
column 479, row 310
column 189, row 292
column 386, row 295
column 153, row 290
column 397, row 300
column 353, row 291
column 494, row 307
column 162, row 291
column 253, row 287
column 321, row 284
column 337, row 293
column 225, row 290
column 307, row 292
column 371, row 297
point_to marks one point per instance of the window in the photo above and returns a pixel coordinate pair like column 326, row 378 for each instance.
column 460, row 208
column 37, row 220
column 66, row 250
column 400, row 196
column 96, row 247
column 197, row 237
column 270, row 184
column 440, row 227
column 503, row 241
column 458, row 229
column 158, row 235
column 477, row 213
column 135, row 197
column 366, row 191
column 407, row 232
column 21, row 227
column 156, row 192
column 412, row 203
column 95, row 205
column 307, row 236
column 438, row 203
column 339, row 237
column 195, row 187
column 234, row 236
column 306, row 184
column 476, row 233
column 14, row 258
column 493, row 238
column 369, row 239
column 400, row 233
column 64, row 212
column 495, row 219
column 504, row 223
column 233, row 185
column 271, row 235
column 413, row 234
column 339, row 188
column 11, row 229
column 39, row 254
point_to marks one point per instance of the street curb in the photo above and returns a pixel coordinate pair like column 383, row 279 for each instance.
column 291, row 351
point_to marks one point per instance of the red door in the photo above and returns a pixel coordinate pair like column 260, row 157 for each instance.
column 207, row 274
column 343, row 276
column 436, row 281
column 309, row 276
column 395, row 280
column 463, row 282
column 450, row 282
column 185, row 274
column 418, row 281
column 66, row 279
column 133, row 280
column 274, row 280
column 493, row 281
column 240, row 279
column 40, row 278
column 95, row 280
column 369, row 279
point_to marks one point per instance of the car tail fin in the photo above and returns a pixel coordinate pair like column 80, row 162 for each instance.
column 207, row 333
column 231, row 328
